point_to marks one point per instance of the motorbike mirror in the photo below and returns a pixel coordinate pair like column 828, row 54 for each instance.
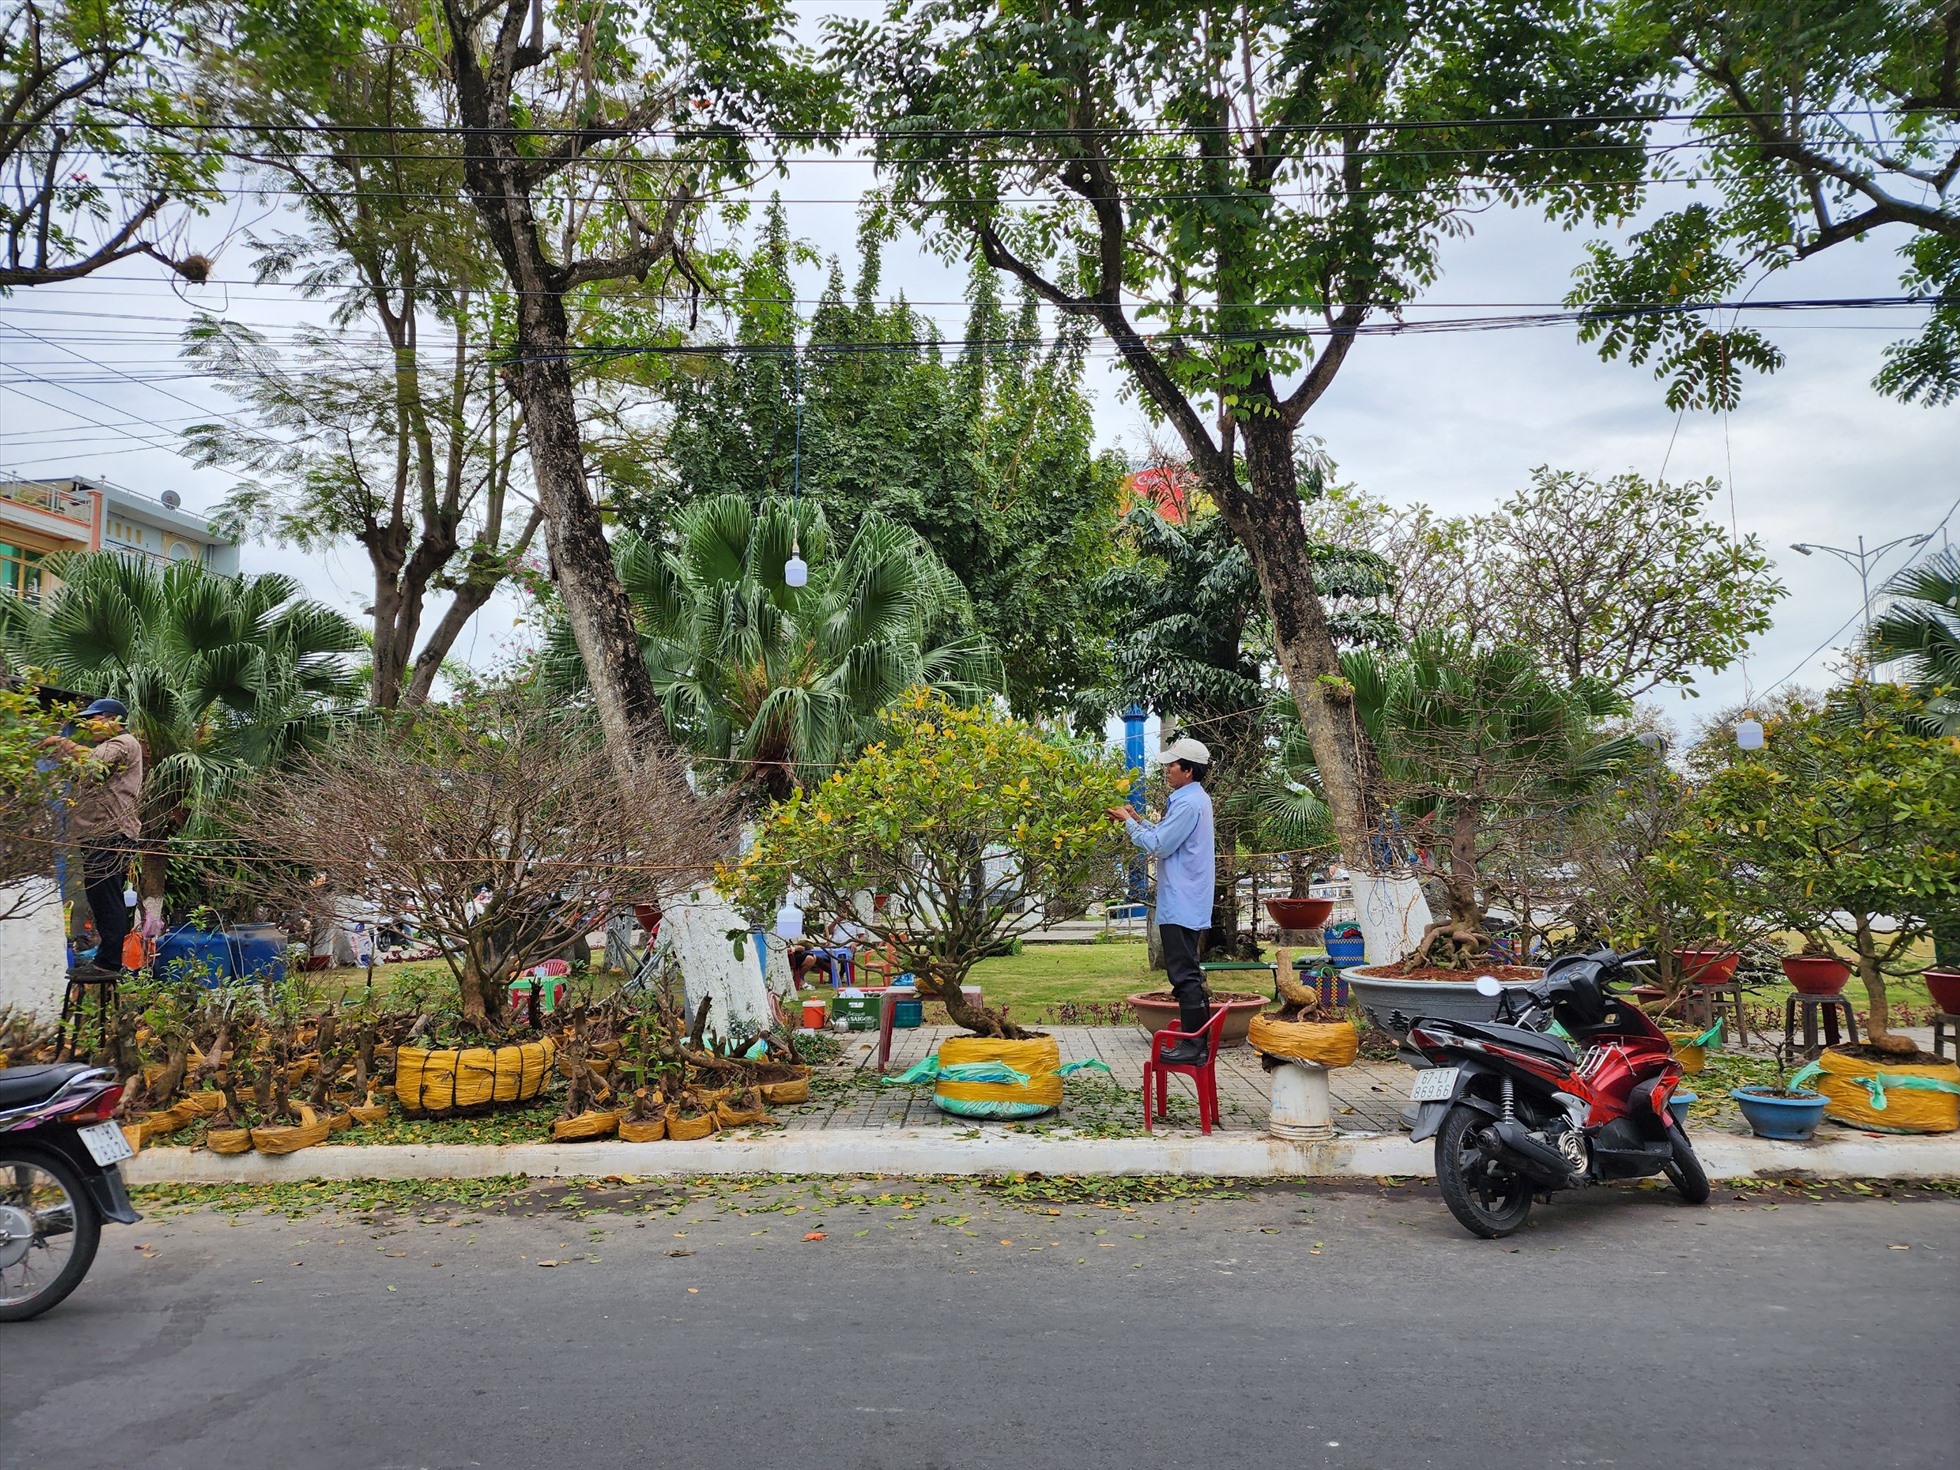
column 1487, row 985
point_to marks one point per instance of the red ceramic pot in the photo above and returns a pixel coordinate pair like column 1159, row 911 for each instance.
column 1707, row 966
column 1816, row 974
column 1945, row 986
column 1299, row 913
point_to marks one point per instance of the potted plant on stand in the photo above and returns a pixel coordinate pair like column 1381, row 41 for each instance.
column 980, row 827
column 1785, row 1112
column 1475, row 742
column 1842, row 825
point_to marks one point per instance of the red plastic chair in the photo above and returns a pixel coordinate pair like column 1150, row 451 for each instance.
column 1203, row 1075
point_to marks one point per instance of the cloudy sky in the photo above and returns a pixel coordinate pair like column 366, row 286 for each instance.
column 90, row 383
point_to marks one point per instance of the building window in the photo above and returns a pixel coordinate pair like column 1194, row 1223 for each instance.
column 20, row 572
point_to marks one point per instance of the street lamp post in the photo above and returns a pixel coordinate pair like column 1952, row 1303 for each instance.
column 1862, row 559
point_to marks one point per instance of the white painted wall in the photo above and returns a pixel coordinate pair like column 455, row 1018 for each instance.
column 33, row 952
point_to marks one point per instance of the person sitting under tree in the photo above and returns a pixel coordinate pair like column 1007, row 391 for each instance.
column 1186, row 870
column 105, row 821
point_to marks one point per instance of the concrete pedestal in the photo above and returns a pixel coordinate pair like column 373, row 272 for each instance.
column 1301, row 1107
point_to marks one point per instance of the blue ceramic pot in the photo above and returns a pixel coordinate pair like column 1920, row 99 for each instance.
column 1791, row 1119
column 1677, row 1104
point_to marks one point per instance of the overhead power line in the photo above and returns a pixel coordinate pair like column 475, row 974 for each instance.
column 1109, row 130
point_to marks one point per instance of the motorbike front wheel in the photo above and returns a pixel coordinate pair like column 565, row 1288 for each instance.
column 1684, row 1169
column 1486, row 1198
column 49, row 1230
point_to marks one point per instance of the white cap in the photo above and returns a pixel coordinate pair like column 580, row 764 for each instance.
column 1188, row 750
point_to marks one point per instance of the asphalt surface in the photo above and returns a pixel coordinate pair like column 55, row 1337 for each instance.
column 1300, row 1326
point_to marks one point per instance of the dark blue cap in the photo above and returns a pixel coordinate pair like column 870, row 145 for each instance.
column 114, row 709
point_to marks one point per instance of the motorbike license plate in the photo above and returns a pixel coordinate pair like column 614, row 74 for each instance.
column 1437, row 1084
column 105, row 1144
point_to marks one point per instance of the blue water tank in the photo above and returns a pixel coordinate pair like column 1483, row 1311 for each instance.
column 259, row 952
column 203, row 955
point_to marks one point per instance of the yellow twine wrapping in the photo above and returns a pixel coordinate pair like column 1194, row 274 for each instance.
column 1907, row 1110
column 593, row 1123
column 1039, row 1059
column 1328, row 1043
column 469, row 1077
column 310, row 1130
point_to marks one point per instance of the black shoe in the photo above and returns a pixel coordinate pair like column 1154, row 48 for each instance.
column 1185, row 1054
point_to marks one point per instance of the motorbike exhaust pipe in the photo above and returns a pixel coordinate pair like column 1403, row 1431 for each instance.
column 1539, row 1162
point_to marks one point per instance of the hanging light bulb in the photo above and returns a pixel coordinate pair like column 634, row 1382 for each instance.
column 789, row 920
column 796, row 571
column 1749, row 733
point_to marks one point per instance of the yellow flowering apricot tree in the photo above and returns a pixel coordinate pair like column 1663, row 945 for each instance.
column 969, row 826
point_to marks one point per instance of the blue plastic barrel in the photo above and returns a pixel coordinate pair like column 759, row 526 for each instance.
column 189, row 953
column 259, row 951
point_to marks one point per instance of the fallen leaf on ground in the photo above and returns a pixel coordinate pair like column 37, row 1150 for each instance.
column 547, row 1263
column 814, row 1235
column 680, row 1253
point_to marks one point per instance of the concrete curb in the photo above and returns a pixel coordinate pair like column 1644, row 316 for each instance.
column 928, row 1152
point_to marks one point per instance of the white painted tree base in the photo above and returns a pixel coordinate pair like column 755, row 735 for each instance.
column 33, row 950
column 1392, row 914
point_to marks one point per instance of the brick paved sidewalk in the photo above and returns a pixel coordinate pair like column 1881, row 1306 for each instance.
column 1367, row 1097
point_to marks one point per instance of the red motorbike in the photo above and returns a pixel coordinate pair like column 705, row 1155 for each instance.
column 59, row 1180
column 1518, row 1111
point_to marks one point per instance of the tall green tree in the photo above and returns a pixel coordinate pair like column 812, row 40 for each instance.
column 1919, row 633
column 95, row 163
column 1230, row 194
column 1812, row 124
column 1190, row 643
column 222, row 675
column 777, row 686
column 1628, row 581
column 389, row 427
column 985, row 450
column 590, row 136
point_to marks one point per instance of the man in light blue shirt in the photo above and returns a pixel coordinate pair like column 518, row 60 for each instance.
column 1186, row 872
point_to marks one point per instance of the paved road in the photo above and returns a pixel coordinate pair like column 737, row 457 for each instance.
column 1315, row 1328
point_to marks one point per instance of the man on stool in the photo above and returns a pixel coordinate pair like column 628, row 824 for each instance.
column 1186, row 871
column 105, row 822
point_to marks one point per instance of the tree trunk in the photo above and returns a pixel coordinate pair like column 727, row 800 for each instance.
column 1265, row 517
column 1225, row 887
column 980, row 1020
column 498, row 176
column 1878, row 1025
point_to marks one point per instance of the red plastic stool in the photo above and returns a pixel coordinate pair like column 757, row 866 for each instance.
column 1203, row 1075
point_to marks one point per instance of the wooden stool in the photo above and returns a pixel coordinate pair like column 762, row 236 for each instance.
column 1944, row 1021
column 1815, row 1006
column 1705, row 1002
column 73, row 1005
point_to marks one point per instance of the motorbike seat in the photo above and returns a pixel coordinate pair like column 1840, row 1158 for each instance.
column 22, row 1086
column 1521, row 1037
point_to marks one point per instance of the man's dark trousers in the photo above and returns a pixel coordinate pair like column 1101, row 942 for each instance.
column 1187, row 980
column 105, row 869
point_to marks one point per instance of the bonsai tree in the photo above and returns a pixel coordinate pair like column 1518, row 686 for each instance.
column 978, row 826
column 498, row 821
column 1475, row 742
column 32, row 780
column 1845, row 820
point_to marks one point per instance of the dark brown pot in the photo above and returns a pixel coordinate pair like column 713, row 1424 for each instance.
column 1299, row 913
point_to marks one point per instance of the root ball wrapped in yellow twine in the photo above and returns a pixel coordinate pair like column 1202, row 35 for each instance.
column 1328, row 1043
column 469, row 1077
column 1886, row 1097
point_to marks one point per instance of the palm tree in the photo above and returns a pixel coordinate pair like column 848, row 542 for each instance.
column 1921, row 632
column 1474, row 740
column 784, row 683
column 222, row 675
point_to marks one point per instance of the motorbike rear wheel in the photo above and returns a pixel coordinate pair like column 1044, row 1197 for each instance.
column 49, row 1229
column 1684, row 1169
column 1486, row 1198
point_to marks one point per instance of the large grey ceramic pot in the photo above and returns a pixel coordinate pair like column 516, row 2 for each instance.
column 1384, row 997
